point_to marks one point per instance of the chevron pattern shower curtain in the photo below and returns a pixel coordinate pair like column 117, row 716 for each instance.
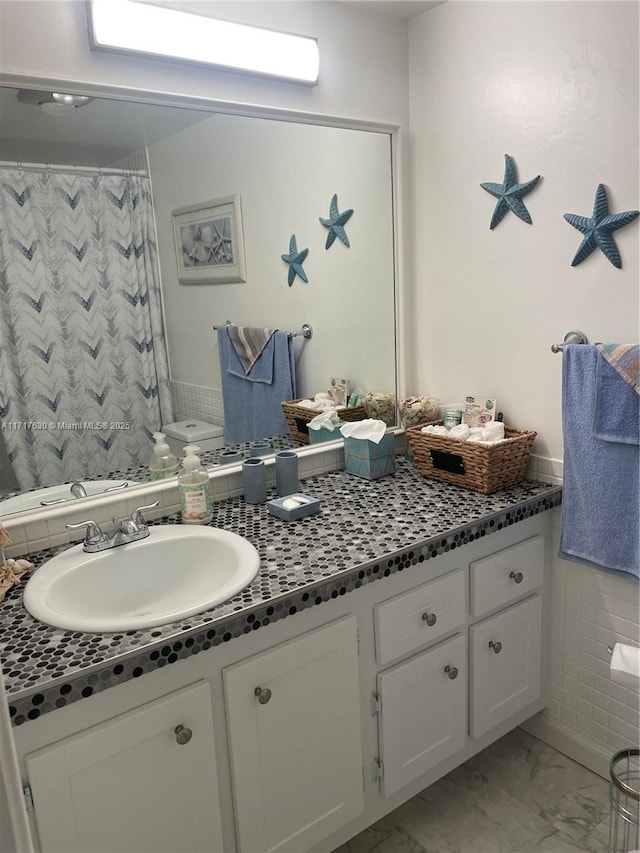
column 83, row 367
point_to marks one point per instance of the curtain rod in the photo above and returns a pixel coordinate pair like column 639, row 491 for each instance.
column 68, row 169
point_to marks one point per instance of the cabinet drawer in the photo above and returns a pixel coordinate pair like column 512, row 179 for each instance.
column 506, row 575
column 411, row 620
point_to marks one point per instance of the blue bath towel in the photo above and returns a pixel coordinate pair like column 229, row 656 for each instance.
column 252, row 407
column 600, row 494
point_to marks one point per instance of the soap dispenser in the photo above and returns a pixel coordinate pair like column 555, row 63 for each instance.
column 163, row 463
column 195, row 491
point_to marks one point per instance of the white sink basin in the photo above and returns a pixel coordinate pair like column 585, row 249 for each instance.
column 34, row 500
column 172, row 574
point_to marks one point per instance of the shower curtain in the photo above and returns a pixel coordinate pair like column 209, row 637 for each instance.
column 83, row 368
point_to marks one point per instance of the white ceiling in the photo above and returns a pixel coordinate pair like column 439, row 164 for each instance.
column 395, row 8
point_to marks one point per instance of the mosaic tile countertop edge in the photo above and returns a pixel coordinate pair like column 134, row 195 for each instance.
column 366, row 530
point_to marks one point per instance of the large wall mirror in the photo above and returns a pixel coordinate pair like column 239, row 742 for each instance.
column 75, row 325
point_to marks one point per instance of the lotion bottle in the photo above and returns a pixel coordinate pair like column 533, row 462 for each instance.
column 196, row 506
column 163, row 463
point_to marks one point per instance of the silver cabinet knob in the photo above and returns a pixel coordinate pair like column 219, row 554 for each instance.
column 183, row 735
column 497, row 646
column 429, row 618
column 517, row 577
column 452, row 671
column 263, row 694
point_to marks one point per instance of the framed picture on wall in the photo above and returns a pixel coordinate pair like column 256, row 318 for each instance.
column 209, row 242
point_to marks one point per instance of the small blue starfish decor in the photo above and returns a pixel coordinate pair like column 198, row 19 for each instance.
column 510, row 194
column 335, row 223
column 295, row 259
column 598, row 231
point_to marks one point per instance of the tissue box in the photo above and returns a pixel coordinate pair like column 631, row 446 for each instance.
column 318, row 435
column 369, row 460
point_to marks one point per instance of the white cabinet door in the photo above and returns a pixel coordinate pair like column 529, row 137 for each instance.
column 505, row 664
column 129, row 785
column 424, row 712
column 293, row 720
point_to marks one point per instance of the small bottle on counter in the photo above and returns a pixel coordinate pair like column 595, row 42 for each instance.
column 196, row 506
column 163, row 463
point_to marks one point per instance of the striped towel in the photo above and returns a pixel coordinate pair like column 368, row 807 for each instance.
column 248, row 343
column 617, row 409
column 625, row 358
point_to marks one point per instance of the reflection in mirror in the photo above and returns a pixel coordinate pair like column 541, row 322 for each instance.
column 102, row 344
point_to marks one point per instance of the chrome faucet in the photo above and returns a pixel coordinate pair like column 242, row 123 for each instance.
column 78, row 490
column 125, row 530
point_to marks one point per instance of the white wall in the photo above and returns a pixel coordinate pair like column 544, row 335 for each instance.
column 286, row 174
column 555, row 85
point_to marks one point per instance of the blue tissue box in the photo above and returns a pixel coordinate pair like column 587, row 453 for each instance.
column 318, row 435
column 369, row 460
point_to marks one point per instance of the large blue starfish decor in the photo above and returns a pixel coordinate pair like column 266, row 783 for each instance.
column 335, row 223
column 295, row 259
column 598, row 231
column 510, row 194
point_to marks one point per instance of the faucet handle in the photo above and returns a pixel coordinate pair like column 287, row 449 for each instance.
column 138, row 518
column 94, row 532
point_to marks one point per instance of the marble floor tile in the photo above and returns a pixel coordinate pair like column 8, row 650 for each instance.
column 516, row 796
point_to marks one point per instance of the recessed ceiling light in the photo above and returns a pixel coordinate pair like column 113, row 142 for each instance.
column 131, row 27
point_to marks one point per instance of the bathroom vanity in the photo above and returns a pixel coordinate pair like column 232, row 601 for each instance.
column 384, row 642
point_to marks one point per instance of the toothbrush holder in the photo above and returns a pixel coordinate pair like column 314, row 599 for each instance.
column 254, row 480
column 287, row 480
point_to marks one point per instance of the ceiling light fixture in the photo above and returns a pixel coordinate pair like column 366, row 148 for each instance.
column 132, row 27
column 53, row 103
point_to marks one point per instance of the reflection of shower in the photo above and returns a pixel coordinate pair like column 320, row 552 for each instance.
column 83, row 373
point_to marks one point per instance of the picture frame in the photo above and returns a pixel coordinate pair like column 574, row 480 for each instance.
column 210, row 242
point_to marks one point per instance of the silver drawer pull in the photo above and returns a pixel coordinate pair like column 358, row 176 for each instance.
column 263, row 694
column 430, row 619
column 183, row 735
column 452, row 671
column 497, row 646
column 517, row 577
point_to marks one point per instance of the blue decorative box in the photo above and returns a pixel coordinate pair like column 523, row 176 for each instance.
column 318, row 435
column 367, row 459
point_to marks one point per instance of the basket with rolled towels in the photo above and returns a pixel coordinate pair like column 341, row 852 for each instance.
column 483, row 459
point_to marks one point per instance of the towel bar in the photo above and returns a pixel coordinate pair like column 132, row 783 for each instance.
column 570, row 338
column 306, row 331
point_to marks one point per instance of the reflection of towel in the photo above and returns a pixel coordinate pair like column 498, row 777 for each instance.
column 617, row 412
column 248, row 343
column 600, row 494
column 252, row 407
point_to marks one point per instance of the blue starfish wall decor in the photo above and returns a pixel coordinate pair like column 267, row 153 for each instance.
column 510, row 194
column 295, row 259
column 336, row 223
column 598, row 231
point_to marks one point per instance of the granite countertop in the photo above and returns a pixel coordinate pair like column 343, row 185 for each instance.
column 365, row 530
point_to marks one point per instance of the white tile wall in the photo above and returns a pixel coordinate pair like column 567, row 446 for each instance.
column 588, row 713
column 197, row 401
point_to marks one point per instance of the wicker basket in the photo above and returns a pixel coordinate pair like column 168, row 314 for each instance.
column 298, row 418
column 473, row 465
